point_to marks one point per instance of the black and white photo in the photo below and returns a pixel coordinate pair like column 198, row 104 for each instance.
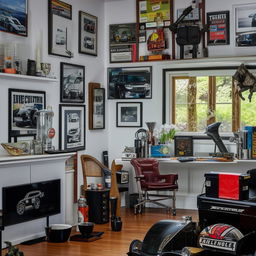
column 72, row 127
column 245, row 22
column 129, row 114
column 23, row 106
column 60, row 28
column 72, row 83
column 87, row 33
column 130, row 83
column 98, row 108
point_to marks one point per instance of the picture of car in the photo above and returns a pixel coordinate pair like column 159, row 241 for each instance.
column 74, row 131
column 25, row 116
column 130, row 85
column 89, row 43
column 253, row 17
column 12, row 24
column 60, row 37
column 89, row 26
column 30, row 201
column 73, row 87
column 246, row 39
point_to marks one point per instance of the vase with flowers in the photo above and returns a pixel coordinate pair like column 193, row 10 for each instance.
column 164, row 135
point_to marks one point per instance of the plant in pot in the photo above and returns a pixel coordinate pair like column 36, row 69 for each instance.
column 12, row 250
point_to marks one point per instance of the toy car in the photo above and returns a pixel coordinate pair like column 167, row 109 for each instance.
column 31, row 199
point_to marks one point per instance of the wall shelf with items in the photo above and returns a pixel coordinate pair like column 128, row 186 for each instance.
column 25, row 77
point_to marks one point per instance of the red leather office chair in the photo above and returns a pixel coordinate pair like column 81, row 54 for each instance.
column 148, row 179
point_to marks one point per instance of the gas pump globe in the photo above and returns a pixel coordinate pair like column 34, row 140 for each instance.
column 45, row 131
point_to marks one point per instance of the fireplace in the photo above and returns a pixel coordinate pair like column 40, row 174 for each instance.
column 30, row 201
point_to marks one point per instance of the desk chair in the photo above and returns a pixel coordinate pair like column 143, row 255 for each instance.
column 149, row 179
column 93, row 168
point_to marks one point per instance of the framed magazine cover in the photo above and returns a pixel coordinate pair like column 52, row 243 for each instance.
column 218, row 28
column 183, row 146
column 72, row 127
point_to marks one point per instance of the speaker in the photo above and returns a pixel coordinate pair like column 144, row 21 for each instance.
column 98, row 202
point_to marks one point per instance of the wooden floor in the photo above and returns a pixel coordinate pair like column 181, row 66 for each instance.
column 112, row 243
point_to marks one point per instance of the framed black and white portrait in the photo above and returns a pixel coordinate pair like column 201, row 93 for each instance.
column 72, row 127
column 245, row 23
column 87, row 33
column 72, row 84
column 129, row 114
column 23, row 105
column 60, row 28
column 130, row 83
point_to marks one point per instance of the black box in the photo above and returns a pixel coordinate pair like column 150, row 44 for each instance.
column 227, row 185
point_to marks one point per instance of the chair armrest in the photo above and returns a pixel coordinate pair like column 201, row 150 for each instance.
column 172, row 178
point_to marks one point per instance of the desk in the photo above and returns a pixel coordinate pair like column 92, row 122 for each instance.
column 191, row 176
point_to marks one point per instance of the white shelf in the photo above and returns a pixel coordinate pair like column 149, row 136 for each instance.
column 25, row 77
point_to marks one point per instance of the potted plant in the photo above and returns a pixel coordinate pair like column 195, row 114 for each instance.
column 12, row 250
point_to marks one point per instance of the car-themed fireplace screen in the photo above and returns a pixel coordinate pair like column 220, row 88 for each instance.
column 23, row 106
column 30, row 201
column 130, row 83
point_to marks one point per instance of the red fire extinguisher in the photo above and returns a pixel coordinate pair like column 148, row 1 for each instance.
column 82, row 210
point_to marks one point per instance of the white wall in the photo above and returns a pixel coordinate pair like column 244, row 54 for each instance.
column 124, row 11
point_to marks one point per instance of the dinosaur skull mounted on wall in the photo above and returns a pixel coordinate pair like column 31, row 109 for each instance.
column 244, row 80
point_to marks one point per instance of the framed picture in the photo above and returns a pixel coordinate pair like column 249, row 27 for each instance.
column 72, row 84
column 130, row 83
column 96, row 107
column 122, row 42
column 14, row 17
column 245, row 23
column 155, row 13
column 88, row 26
column 60, row 28
column 218, row 28
column 183, row 145
column 23, row 105
column 129, row 114
column 72, row 127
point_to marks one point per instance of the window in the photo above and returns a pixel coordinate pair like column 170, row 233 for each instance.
column 198, row 98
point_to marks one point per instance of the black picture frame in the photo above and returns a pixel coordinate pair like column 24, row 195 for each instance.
column 60, row 28
column 23, row 104
column 129, row 114
column 120, row 82
column 88, row 34
column 183, row 146
column 72, row 125
column 17, row 14
column 98, row 109
column 218, row 28
column 72, row 83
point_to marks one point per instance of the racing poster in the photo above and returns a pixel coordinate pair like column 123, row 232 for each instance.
column 218, row 28
column 23, row 106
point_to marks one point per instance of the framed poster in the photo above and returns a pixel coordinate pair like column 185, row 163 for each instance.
column 14, row 17
column 183, row 145
column 96, row 107
column 128, row 114
column 130, row 83
column 87, row 33
column 218, row 28
column 72, row 127
column 60, row 28
column 23, row 105
column 155, row 13
column 245, row 23
column 122, row 42
column 72, row 84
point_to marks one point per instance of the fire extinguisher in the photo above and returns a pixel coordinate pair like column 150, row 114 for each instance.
column 82, row 210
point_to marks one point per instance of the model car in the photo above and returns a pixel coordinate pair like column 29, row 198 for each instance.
column 72, row 87
column 31, row 199
column 12, row 24
column 25, row 117
column 129, row 85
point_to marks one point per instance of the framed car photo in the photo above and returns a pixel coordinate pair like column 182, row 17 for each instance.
column 14, row 17
column 72, row 84
column 87, row 33
column 128, row 114
column 23, row 105
column 130, row 83
column 72, row 127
